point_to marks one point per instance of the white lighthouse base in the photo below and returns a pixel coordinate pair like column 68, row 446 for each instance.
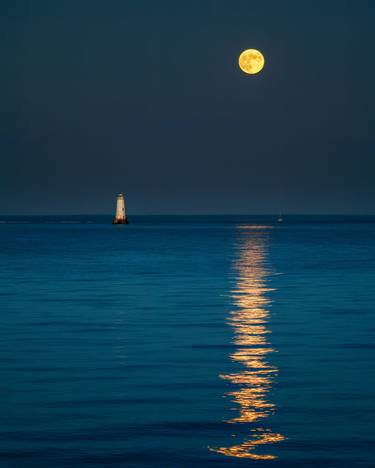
column 120, row 220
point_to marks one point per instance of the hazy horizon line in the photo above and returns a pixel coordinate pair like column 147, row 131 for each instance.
column 283, row 214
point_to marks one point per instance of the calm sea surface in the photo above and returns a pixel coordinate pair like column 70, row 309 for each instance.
column 187, row 342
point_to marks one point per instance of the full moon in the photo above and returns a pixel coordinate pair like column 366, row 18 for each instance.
column 251, row 61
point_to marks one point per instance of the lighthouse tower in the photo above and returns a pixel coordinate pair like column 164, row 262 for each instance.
column 120, row 216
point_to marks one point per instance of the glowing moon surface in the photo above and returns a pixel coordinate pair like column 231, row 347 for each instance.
column 251, row 61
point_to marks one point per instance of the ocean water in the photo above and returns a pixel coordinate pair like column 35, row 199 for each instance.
column 187, row 342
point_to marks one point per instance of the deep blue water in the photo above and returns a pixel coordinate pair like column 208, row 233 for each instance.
column 187, row 342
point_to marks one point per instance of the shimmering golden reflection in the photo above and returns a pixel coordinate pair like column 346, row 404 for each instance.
column 251, row 336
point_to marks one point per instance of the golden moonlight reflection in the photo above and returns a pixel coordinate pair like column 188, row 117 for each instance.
column 249, row 321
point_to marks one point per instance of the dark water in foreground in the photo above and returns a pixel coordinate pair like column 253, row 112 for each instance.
column 187, row 342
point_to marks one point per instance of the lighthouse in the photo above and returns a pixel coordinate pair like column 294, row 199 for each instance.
column 120, row 216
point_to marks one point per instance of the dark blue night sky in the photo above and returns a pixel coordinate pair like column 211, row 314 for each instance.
column 146, row 97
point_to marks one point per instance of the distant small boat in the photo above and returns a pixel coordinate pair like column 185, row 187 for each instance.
column 280, row 219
